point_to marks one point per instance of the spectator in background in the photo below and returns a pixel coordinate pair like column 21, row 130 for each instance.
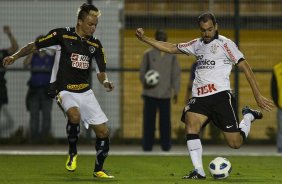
column 38, row 103
column 157, row 98
column 3, row 53
column 276, row 92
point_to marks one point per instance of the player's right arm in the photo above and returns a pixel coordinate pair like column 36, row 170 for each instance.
column 27, row 49
column 52, row 38
column 162, row 46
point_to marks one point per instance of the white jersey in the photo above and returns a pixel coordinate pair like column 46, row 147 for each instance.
column 215, row 61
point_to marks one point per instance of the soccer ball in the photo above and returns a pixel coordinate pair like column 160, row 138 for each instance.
column 220, row 168
column 152, row 77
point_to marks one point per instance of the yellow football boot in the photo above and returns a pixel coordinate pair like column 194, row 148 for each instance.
column 71, row 163
column 103, row 175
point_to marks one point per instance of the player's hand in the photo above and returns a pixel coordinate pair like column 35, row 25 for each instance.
column 108, row 85
column 139, row 33
column 265, row 103
column 8, row 60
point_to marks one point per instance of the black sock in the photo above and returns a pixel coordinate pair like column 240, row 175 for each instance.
column 72, row 131
column 102, row 149
column 243, row 135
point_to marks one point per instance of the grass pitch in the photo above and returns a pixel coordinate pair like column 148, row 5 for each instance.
column 35, row 169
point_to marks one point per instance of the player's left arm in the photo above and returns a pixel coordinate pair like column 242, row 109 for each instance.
column 262, row 102
column 101, row 68
column 103, row 79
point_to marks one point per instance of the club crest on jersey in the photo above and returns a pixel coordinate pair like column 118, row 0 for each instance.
column 92, row 49
column 214, row 48
column 79, row 61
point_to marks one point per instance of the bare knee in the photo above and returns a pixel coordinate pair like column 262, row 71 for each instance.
column 101, row 130
column 235, row 145
column 73, row 115
column 234, row 139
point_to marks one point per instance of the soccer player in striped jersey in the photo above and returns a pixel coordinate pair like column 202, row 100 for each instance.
column 212, row 98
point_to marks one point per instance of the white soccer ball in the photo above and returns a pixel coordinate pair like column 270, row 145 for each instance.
column 152, row 77
column 220, row 168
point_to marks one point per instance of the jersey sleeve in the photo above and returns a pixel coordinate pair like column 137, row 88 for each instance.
column 52, row 38
column 187, row 47
column 100, row 58
column 232, row 51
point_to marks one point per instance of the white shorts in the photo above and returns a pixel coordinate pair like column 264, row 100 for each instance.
column 90, row 110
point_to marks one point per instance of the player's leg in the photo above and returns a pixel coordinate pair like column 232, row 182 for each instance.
column 236, row 139
column 67, row 101
column 92, row 115
column 193, row 124
column 149, row 122
column 102, row 150
column 72, row 130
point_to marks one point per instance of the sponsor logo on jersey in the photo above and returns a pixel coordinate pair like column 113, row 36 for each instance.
column 92, row 43
column 77, row 86
column 209, row 88
column 70, row 37
column 92, row 49
column 229, row 52
column 182, row 45
column 80, row 61
column 205, row 63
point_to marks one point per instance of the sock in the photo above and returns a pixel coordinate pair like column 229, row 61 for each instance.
column 102, row 149
column 72, row 131
column 245, row 125
column 195, row 150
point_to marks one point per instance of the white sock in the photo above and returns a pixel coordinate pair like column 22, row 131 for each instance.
column 195, row 150
column 245, row 124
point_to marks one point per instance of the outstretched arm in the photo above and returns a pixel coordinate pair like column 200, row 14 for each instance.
column 14, row 44
column 262, row 102
column 29, row 48
column 162, row 46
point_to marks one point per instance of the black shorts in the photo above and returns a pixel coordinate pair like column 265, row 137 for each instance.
column 219, row 108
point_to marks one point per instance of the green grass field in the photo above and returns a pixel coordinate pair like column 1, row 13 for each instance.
column 18, row 169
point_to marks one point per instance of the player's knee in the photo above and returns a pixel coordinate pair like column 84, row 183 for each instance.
column 235, row 144
column 74, row 118
column 102, row 131
column 73, row 115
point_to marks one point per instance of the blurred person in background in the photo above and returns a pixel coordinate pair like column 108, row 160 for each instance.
column 4, row 113
column 276, row 93
column 211, row 91
column 3, row 53
column 157, row 98
column 77, row 49
column 38, row 103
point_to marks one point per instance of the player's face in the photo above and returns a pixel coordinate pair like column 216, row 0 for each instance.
column 208, row 30
column 88, row 25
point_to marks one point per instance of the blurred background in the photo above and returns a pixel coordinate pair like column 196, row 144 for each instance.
column 255, row 25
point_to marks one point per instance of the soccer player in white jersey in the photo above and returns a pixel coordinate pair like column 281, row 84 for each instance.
column 212, row 98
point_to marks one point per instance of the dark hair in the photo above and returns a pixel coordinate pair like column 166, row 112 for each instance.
column 206, row 17
column 84, row 10
column 161, row 35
